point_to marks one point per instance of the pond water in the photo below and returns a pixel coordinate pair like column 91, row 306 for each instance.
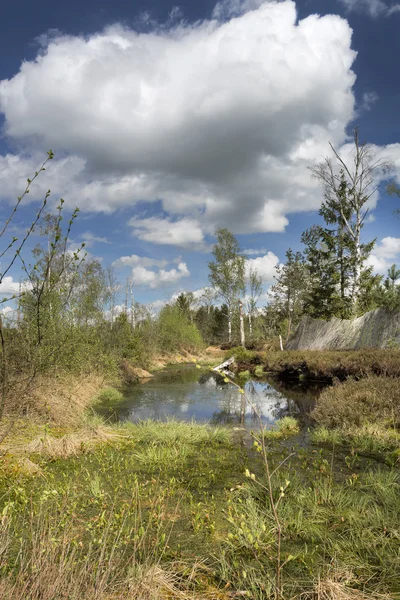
column 187, row 394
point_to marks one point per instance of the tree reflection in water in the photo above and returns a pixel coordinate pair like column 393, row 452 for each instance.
column 183, row 394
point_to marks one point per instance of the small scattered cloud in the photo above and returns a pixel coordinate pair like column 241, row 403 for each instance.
column 90, row 239
column 139, row 261
column 185, row 233
column 373, row 8
column 157, row 279
column 264, row 265
column 9, row 286
column 254, row 251
column 368, row 101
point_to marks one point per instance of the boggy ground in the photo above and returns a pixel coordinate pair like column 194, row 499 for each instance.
column 321, row 365
column 177, row 510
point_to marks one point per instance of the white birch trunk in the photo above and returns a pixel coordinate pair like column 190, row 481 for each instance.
column 280, row 343
column 229, row 327
column 242, row 336
column 250, row 325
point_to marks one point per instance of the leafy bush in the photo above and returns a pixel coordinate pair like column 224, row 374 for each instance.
column 287, row 425
column 259, row 371
column 244, row 375
column 175, row 332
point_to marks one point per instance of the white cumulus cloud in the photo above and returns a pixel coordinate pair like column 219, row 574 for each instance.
column 184, row 232
column 156, row 279
column 142, row 261
column 9, row 286
column 218, row 119
column 264, row 265
column 385, row 253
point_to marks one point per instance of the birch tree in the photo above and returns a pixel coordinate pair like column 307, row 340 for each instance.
column 255, row 291
column 227, row 272
column 348, row 188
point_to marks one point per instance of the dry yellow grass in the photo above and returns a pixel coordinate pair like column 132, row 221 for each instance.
column 337, row 586
column 71, row 444
column 63, row 399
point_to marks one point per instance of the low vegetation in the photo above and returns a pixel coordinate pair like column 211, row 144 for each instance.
column 108, row 395
column 357, row 403
column 179, row 510
column 362, row 415
column 325, row 365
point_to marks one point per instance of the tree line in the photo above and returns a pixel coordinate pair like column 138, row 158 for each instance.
column 65, row 316
column 330, row 277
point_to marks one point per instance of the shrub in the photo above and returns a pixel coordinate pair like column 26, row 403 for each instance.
column 175, row 332
column 241, row 354
column 283, row 427
column 334, row 363
column 244, row 375
column 108, row 395
column 357, row 403
column 287, row 425
column 259, row 371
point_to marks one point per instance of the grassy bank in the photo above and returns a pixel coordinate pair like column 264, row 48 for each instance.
column 363, row 416
column 325, row 365
column 179, row 510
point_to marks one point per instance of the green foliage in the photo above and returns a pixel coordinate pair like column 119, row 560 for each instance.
column 388, row 294
column 66, row 316
column 227, row 271
column 108, row 396
column 287, row 425
column 241, row 354
column 175, row 332
column 259, row 371
column 244, row 376
column 288, row 293
column 371, row 437
column 121, row 519
column 322, row 299
column 348, row 524
column 283, row 428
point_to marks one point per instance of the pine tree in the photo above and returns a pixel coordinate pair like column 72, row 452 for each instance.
column 321, row 299
column 347, row 192
column 289, row 291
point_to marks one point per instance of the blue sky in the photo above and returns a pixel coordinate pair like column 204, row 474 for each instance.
column 168, row 121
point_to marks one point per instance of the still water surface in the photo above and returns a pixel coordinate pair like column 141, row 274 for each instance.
column 187, row 394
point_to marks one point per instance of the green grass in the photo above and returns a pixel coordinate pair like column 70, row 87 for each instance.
column 108, row 395
column 165, row 510
column 282, row 428
column 372, row 438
